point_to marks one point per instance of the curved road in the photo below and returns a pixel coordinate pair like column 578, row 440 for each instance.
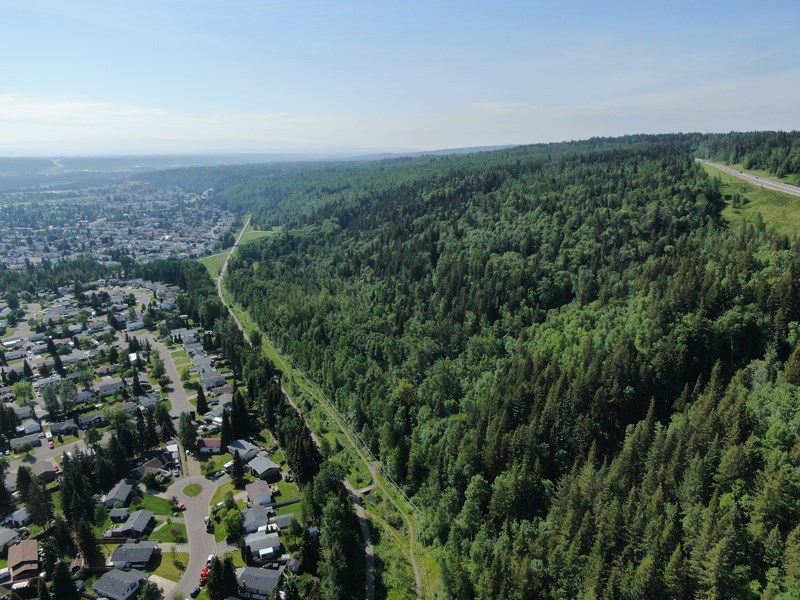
column 778, row 186
column 201, row 543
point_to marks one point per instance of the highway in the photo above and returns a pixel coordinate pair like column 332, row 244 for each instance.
column 778, row 186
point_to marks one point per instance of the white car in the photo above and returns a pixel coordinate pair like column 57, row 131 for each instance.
column 210, row 559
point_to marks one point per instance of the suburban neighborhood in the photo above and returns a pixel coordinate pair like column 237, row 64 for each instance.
column 124, row 432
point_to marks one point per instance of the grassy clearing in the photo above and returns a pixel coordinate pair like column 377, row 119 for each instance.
column 219, row 495
column 156, row 505
column 214, row 263
column 193, row 489
column 778, row 210
column 165, row 567
column 170, row 532
column 394, row 578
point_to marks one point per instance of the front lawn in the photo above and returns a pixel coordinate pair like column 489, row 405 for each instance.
column 219, row 495
column 174, row 531
column 165, row 567
column 156, row 505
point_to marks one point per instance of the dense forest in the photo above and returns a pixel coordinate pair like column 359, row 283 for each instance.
column 586, row 380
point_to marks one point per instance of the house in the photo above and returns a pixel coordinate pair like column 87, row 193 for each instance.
column 23, row 411
column 20, row 518
column 253, row 518
column 212, row 380
column 134, row 325
column 215, row 415
column 157, row 464
column 119, row 585
column 259, row 493
column 84, row 396
column 45, row 470
column 264, row 467
column 128, row 408
column 133, row 556
column 63, row 428
column 8, row 537
column 258, row 584
column 23, row 560
column 118, row 515
column 118, row 494
column 28, row 427
column 247, row 451
column 91, row 420
column 147, row 401
column 32, row 439
column 263, row 544
column 282, row 521
column 209, row 445
column 137, row 524
column 109, row 388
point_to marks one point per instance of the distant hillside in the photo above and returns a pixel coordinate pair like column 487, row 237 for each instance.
column 582, row 375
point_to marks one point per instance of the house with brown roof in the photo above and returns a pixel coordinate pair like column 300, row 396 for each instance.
column 23, row 560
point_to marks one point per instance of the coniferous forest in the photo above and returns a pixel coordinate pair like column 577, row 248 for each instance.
column 583, row 376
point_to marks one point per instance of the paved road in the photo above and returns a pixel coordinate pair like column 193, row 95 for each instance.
column 177, row 394
column 755, row 180
column 200, row 543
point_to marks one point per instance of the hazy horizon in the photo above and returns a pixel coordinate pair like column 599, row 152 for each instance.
column 199, row 78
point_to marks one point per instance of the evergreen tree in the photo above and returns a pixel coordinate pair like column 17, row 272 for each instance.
column 85, row 541
column 40, row 503
column 237, row 470
column 202, row 404
column 225, row 431
column 27, row 372
column 42, row 591
column 24, row 478
column 215, row 586
column 230, row 585
column 63, row 586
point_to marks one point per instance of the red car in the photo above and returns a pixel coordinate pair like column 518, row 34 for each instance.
column 51, row 444
column 181, row 506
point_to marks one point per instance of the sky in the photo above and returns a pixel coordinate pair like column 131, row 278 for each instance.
column 215, row 76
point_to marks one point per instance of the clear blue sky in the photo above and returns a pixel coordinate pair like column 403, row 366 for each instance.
column 160, row 76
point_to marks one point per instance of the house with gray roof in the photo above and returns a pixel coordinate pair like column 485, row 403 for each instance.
column 118, row 515
column 119, row 585
column 253, row 518
column 259, row 493
column 18, row 442
column 264, row 467
column 109, row 388
column 91, row 420
column 20, row 518
column 263, row 545
column 247, row 451
column 258, row 584
column 137, row 524
column 63, row 428
column 133, row 556
column 282, row 521
column 118, row 494
column 8, row 536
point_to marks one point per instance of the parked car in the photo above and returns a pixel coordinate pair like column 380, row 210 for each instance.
column 195, row 592
column 51, row 444
column 211, row 557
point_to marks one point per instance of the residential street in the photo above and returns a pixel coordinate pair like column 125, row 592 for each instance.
column 200, row 543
